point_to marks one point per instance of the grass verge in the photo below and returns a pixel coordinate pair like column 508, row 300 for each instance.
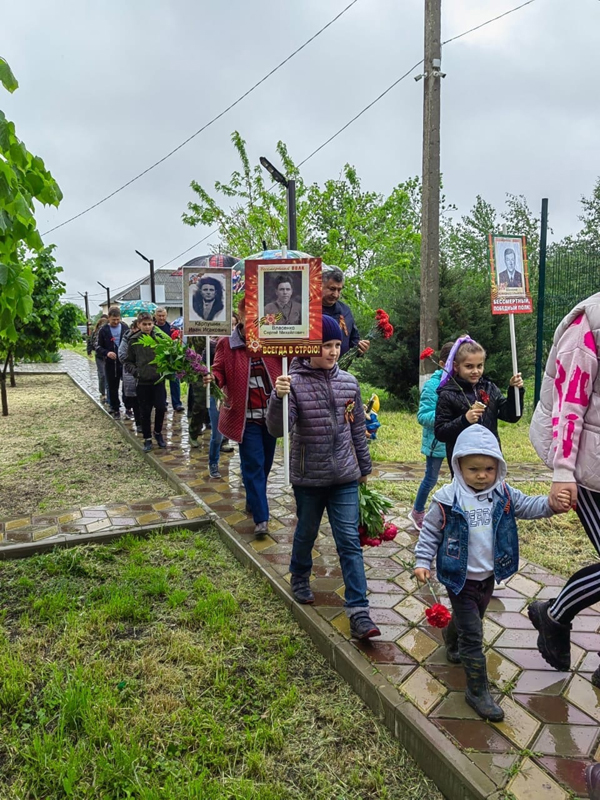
column 59, row 450
column 559, row 543
column 161, row 668
column 399, row 439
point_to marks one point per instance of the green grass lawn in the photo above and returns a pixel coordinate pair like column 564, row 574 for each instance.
column 399, row 439
column 161, row 668
column 60, row 450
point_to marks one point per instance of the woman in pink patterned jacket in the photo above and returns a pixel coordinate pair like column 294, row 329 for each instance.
column 565, row 431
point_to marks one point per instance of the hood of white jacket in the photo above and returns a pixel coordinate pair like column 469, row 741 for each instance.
column 475, row 440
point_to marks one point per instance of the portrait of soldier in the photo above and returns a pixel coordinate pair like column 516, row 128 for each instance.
column 207, row 300
column 282, row 301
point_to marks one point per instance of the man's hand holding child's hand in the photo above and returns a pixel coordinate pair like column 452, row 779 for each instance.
column 282, row 385
column 516, row 380
column 422, row 574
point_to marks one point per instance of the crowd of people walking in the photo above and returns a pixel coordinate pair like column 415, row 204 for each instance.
column 470, row 528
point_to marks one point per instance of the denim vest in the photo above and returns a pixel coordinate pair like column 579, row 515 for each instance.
column 453, row 552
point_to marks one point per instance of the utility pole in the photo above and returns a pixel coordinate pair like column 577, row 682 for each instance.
column 87, row 311
column 150, row 261
column 430, row 214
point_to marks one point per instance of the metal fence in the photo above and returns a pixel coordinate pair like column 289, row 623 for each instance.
column 572, row 273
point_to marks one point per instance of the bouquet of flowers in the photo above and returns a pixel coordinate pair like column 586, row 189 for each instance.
column 372, row 528
column 381, row 329
column 172, row 357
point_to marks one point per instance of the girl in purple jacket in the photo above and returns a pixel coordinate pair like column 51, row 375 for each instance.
column 330, row 457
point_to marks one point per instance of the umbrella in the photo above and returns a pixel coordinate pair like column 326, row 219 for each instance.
column 239, row 268
column 177, row 323
column 130, row 308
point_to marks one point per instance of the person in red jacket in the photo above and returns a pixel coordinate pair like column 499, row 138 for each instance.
column 247, row 381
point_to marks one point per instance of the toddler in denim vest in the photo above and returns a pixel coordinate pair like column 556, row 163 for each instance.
column 471, row 526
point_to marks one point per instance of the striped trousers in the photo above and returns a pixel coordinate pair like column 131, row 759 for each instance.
column 583, row 587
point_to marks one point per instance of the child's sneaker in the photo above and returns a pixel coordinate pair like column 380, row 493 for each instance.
column 213, row 471
column 129, row 413
column 362, row 626
column 301, row 590
column 416, row 517
column 138, row 429
column 159, row 439
column 194, row 442
column 147, row 445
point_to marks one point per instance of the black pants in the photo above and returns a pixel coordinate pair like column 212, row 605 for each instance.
column 583, row 587
column 112, row 370
column 468, row 608
column 152, row 395
column 134, row 404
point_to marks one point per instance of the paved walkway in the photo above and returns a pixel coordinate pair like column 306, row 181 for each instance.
column 550, row 732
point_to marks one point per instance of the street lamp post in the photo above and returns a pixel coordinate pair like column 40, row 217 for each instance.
column 87, row 311
column 152, row 285
column 107, row 295
column 290, row 186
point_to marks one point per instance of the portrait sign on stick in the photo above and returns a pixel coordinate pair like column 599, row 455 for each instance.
column 509, row 275
column 206, row 301
column 284, row 306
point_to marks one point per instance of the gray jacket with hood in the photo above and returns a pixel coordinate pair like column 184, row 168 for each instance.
column 480, row 510
column 326, row 414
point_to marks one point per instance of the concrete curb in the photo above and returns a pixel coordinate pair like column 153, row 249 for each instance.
column 65, row 540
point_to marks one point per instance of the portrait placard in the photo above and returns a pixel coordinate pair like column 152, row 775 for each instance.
column 509, row 275
column 206, row 301
column 284, row 306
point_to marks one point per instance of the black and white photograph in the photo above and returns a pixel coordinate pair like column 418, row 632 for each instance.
column 207, row 301
column 283, row 301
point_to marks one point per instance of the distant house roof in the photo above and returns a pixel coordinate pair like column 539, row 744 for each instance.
column 162, row 277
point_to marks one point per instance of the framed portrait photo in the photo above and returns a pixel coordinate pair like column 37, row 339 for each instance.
column 283, row 306
column 509, row 275
column 206, row 301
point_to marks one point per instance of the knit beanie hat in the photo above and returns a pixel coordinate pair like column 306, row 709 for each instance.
column 331, row 329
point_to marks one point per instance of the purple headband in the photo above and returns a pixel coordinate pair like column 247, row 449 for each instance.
column 449, row 365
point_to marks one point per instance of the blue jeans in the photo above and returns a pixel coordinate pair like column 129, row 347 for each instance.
column 432, row 471
column 257, row 450
column 214, row 449
column 175, row 389
column 341, row 503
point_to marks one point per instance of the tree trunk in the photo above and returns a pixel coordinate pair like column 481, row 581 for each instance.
column 11, row 366
column 3, row 387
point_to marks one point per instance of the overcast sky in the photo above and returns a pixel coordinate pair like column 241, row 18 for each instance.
column 108, row 88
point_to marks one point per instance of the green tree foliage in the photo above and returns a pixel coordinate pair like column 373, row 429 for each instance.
column 23, row 179
column 70, row 316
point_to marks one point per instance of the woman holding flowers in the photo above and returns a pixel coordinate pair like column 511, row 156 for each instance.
column 247, row 381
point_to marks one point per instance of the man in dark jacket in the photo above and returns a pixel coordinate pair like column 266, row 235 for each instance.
column 160, row 318
column 107, row 347
column 333, row 284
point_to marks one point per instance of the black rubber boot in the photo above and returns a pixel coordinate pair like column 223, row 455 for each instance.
column 478, row 693
column 554, row 641
column 451, row 641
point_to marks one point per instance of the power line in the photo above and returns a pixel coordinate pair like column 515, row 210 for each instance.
column 205, row 126
column 369, row 106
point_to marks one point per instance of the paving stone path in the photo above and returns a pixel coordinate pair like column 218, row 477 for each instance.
column 551, row 728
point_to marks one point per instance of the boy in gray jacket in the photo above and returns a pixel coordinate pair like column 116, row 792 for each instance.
column 471, row 527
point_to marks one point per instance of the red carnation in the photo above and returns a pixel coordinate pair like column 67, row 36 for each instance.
column 438, row 616
column 484, row 397
column 388, row 331
column 427, row 353
column 389, row 532
column 368, row 541
column 175, row 334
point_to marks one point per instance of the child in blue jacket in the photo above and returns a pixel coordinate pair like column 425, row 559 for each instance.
column 471, row 528
column 433, row 450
